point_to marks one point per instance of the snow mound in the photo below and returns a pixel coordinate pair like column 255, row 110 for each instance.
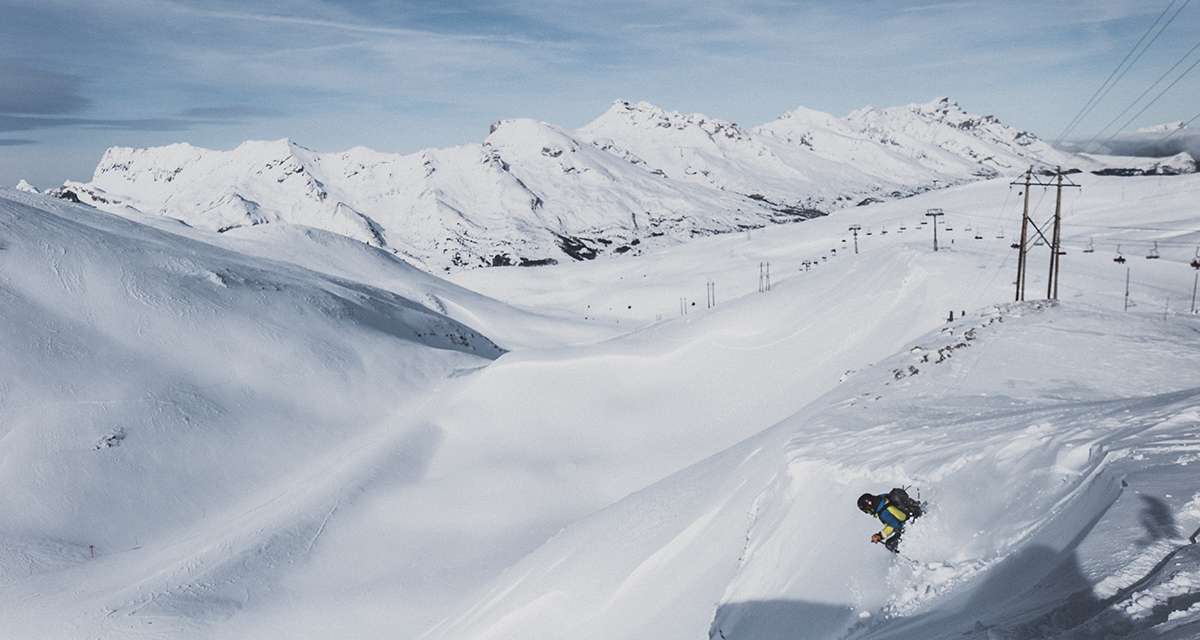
column 763, row 538
column 22, row 185
column 156, row 387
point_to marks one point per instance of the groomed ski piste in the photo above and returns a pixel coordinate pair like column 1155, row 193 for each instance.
column 277, row 432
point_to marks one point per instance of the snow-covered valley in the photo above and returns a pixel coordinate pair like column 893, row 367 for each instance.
column 278, row 431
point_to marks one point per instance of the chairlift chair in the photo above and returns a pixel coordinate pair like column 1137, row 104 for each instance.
column 1120, row 259
column 1153, row 255
column 1091, row 248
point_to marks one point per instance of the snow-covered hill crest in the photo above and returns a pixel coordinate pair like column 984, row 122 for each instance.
column 534, row 193
column 762, row 542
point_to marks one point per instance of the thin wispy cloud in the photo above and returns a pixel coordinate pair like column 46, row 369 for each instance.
column 235, row 111
column 31, row 123
column 346, row 27
column 32, row 90
column 339, row 73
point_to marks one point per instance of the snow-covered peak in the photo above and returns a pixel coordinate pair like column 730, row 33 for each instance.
column 940, row 110
column 281, row 146
column 526, row 132
column 946, row 137
column 1165, row 127
column 805, row 115
column 644, row 115
column 22, row 185
column 941, row 104
column 950, row 112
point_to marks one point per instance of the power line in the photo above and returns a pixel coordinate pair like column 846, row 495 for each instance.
column 1156, row 98
column 1139, row 57
column 1143, row 95
column 1090, row 226
column 1092, row 101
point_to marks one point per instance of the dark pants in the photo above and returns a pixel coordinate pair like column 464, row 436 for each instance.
column 893, row 543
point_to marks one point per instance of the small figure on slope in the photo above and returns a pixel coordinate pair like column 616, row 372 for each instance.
column 894, row 509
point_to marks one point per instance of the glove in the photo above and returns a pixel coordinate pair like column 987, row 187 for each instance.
column 877, row 538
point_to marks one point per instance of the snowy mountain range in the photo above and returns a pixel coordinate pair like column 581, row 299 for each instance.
column 533, row 193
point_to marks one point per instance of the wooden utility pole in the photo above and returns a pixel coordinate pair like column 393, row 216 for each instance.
column 1055, row 241
column 1024, row 238
column 1052, row 281
column 1056, row 251
column 935, row 214
column 855, row 228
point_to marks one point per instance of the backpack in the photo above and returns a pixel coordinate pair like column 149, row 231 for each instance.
column 901, row 499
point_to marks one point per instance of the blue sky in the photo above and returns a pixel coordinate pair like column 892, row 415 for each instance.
column 77, row 77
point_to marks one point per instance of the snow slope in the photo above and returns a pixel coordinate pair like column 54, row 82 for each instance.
column 162, row 400
column 637, row 177
column 782, row 346
column 1026, row 485
column 424, row 492
column 341, row 257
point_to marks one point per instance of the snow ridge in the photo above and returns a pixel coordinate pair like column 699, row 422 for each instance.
column 533, row 193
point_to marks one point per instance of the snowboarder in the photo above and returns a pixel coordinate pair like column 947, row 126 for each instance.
column 894, row 509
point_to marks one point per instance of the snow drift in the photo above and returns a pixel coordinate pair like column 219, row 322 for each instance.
column 762, row 541
column 157, row 389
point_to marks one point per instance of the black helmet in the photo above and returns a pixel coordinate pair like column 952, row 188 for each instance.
column 866, row 503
